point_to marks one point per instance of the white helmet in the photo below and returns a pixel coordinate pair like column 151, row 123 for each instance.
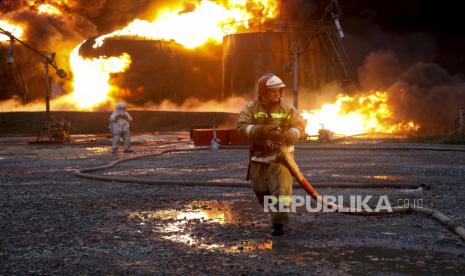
column 120, row 106
column 269, row 81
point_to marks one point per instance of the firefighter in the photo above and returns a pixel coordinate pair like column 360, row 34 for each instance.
column 268, row 122
column 119, row 126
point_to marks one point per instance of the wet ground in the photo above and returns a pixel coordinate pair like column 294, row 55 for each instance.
column 56, row 223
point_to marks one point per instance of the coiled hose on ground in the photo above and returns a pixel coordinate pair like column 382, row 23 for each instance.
column 295, row 171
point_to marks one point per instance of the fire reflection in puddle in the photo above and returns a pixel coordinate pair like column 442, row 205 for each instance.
column 386, row 177
column 98, row 150
column 372, row 177
column 180, row 226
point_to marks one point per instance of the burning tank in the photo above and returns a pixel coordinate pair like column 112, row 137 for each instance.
column 162, row 70
column 248, row 55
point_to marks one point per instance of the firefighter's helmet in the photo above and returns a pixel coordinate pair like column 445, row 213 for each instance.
column 120, row 106
column 269, row 81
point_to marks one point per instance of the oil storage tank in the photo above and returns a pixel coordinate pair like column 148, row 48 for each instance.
column 162, row 70
column 248, row 55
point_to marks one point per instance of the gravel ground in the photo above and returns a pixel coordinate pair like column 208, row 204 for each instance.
column 56, row 223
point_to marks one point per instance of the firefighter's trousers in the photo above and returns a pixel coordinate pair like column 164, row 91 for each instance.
column 117, row 138
column 272, row 179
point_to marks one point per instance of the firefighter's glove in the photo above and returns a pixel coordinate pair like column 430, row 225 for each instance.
column 290, row 136
column 122, row 116
column 271, row 132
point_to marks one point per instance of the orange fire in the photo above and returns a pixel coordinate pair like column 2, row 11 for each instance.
column 190, row 26
column 91, row 78
column 194, row 26
column 14, row 29
column 48, row 9
column 356, row 115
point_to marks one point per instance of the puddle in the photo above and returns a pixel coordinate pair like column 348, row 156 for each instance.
column 14, row 151
column 154, row 138
column 250, row 246
column 175, row 225
column 373, row 177
column 98, row 150
column 386, row 177
column 235, row 194
column 229, row 180
column 180, row 216
column 225, row 226
column 205, row 211
column 133, row 172
column 167, row 171
column 371, row 259
column 57, row 150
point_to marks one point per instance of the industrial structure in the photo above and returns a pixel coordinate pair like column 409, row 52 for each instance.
column 162, row 70
column 12, row 78
column 52, row 130
column 247, row 55
column 168, row 71
column 307, row 52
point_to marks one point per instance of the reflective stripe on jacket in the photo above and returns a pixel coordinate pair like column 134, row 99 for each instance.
column 254, row 116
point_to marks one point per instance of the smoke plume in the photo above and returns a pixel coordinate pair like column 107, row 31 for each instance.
column 423, row 92
column 47, row 33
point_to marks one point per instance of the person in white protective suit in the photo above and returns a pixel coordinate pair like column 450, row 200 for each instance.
column 119, row 127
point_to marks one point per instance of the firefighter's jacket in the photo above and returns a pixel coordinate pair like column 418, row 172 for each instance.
column 254, row 116
column 119, row 121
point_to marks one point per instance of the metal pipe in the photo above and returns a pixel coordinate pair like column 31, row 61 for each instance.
column 295, row 58
column 462, row 121
column 4, row 32
column 47, row 90
column 10, row 59
column 337, row 23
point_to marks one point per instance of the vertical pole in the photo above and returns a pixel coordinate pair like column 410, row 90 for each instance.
column 462, row 122
column 223, row 66
column 295, row 57
column 47, row 90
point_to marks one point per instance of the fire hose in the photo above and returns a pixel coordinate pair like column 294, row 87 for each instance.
column 294, row 169
column 303, row 182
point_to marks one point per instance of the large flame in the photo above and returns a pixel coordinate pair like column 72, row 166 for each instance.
column 91, row 84
column 191, row 26
column 48, row 9
column 92, row 75
column 14, row 29
column 194, row 26
column 355, row 115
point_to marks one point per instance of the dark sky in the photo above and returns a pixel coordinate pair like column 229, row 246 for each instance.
column 430, row 30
